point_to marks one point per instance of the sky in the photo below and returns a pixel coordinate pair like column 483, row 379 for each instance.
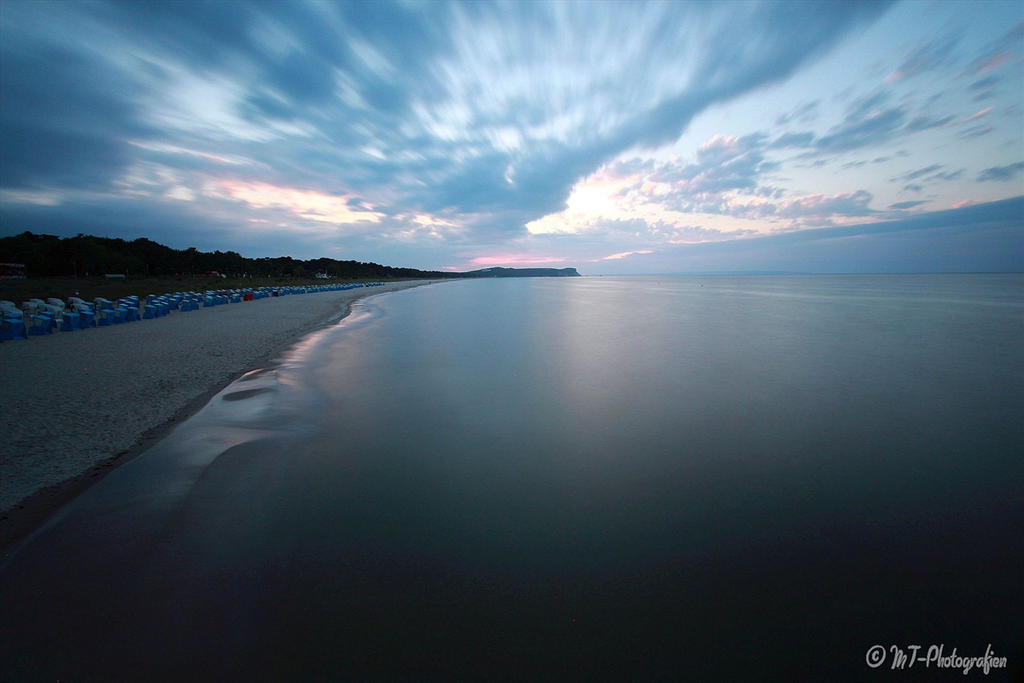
column 615, row 138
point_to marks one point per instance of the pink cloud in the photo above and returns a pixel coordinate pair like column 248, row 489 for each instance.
column 512, row 260
column 978, row 114
column 966, row 202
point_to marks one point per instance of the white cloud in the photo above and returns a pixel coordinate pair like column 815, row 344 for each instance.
column 624, row 254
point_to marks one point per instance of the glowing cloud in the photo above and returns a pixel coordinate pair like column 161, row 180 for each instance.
column 592, row 198
column 308, row 204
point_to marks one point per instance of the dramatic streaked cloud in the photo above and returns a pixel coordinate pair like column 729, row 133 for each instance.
column 461, row 135
column 1008, row 172
column 931, row 55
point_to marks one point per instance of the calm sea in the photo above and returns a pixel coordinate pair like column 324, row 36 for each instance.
column 708, row 478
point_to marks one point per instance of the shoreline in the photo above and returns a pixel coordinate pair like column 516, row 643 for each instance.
column 76, row 377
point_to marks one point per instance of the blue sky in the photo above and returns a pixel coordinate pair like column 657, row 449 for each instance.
column 616, row 138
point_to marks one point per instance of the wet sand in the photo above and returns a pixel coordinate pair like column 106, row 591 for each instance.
column 74, row 405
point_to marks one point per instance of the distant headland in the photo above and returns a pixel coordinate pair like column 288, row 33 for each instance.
column 522, row 272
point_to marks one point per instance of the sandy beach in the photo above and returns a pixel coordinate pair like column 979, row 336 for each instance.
column 74, row 405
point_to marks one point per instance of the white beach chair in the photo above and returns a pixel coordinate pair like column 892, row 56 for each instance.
column 56, row 311
column 32, row 307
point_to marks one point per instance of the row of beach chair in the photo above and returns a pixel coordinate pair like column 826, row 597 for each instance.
column 37, row 317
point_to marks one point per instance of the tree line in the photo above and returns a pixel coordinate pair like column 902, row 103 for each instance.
column 87, row 255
